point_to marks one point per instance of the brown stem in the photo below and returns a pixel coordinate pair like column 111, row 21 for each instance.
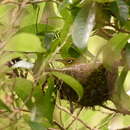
column 74, row 118
column 82, row 122
column 61, row 127
column 119, row 29
column 116, row 110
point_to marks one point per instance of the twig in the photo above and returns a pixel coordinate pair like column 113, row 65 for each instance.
column 119, row 29
column 74, row 118
column 106, row 33
column 117, row 111
column 61, row 127
column 49, row 58
column 65, row 110
column 126, row 128
column 29, row 2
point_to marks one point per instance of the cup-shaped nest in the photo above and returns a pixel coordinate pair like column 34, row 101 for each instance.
column 97, row 82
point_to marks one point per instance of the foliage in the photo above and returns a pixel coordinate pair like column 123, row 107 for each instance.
column 43, row 43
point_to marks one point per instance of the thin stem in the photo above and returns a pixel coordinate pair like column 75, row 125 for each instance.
column 82, row 122
column 75, row 118
column 117, row 111
column 61, row 127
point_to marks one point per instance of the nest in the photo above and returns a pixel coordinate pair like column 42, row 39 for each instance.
column 97, row 82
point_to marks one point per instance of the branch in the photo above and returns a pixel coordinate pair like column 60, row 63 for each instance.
column 126, row 128
column 61, row 127
column 119, row 29
column 74, row 118
column 29, row 2
column 117, row 111
column 82, row 122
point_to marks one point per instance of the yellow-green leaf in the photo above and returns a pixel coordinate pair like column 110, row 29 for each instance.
column 25, row 42
column 72, row 82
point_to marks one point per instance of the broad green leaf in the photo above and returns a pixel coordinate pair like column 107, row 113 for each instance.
column 112, row 50
column 36, row 126
column 94, row 47
column 83, row 25
column 120, row 9
column 54, row 45
column 120, row 98
column 119, row 41
column 42, row 29
column 4, row 13
column 51, row 16
column 70, row 50
column 45, row 102
column 23, row 89
column 24, row 42
column 29, row 16
column 73, row 83
column 123, row 10
column 4, row 106
column 68, row 20
column 40, row 11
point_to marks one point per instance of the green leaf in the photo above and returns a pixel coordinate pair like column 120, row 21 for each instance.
column 120, row 10
column 23, row 89
column 51, row 15
column 127, row 51
column 4, row 13
column 112, row 50
column 73, row 83
column 119, row 41
column 83, row 25
column 45, row 102
column 3, row 10
column 36, row 125
column 24, row 42
column 67, row 16
column 41, row 28
column 4, row 106
column 120, row 98
column 29, row 16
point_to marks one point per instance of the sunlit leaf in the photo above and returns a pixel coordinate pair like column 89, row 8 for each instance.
column 25, row 42
column 51, row 16
column 120, row 98
column 36, row 125
column 112, row 50
column 23, row 89
column 83, row 25
column 45, row 102
column 73, row 83
column 41, row 28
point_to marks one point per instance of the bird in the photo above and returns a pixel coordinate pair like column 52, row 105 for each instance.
column 93, row 76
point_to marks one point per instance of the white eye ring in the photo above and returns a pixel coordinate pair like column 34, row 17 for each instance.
column 70, row 61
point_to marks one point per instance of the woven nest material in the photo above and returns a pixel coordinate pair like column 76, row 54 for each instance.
column 97, row 82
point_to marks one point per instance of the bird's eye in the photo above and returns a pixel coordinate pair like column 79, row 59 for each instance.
column 69, row 61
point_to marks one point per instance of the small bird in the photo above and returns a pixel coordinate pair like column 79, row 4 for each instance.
column 94, row 78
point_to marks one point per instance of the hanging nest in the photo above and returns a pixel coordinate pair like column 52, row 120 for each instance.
column 97, row 82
